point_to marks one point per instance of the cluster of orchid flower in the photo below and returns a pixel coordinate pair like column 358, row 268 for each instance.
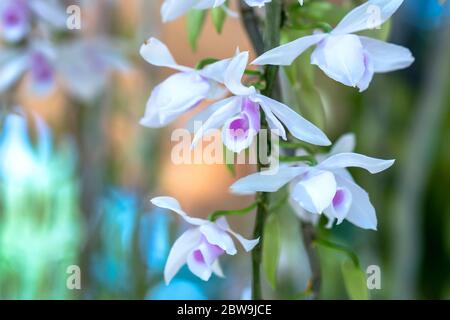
column 82, row 65
column 323, row 186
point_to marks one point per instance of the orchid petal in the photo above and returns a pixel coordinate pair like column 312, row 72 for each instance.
column 361, row 212
column 15, row 20
column 315, row 191
column 215, row 235
column 274, row 124
column 50, row 11
column 341, row 57
column 341, row 204
column 173, row 9
column 217, row 269
column 228, row 108
column 248, row 245
column 173, row 97
column 179, row 252
column 285, row 54
column 156, row 53
column 12, row 67
column 367, row 77
column 235, row 72
column 267, row 181
column 369, row 15
column 198, row 266
column 216, row 71
column 346, row 160
column 300, row 128
column 385, row 56
column 346, row 143
column 173, row 205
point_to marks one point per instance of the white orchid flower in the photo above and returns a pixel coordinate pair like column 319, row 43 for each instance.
column 181, row 91
column 37, row 60
column 16, row 17
column 239, row 115
column 200, row 246
column 326, row 188
column 173, row 9
column 347, row 58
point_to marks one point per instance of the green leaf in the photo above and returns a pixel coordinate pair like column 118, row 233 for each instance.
column 218, row 18
column 355, row 281
column 271, row 249
column 195, row 23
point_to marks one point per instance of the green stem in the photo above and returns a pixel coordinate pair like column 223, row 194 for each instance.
column 220, row 213
column 271, row 40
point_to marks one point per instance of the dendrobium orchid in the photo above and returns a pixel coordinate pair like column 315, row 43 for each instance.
column 239, row 115
column 200, row 246
column 345, row 57
column 16, row 16
column 37, row 61
column 173, row 9
column 326, row 188
column 181, row 91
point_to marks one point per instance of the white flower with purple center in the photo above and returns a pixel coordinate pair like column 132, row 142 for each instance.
column 239, row 115
column 182, row 91
column 16, row 16
column 37, row 61
column 344, row 57
column 326, row 188
column 15, row 20
column 200, row 246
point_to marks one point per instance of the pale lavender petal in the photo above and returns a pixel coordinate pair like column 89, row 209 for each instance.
column 248, row 245
column 346, row 160
column 12, row 66
column 285, row 54
column 298, row 126
column 341, row 204
column 268, row 181
column 234, row 74
column 217, row 269
column 346, row 143
column 341, row 57
column 173, row 9
column 51, row 11
column 274, row 124
column 215, row 235
column 385, row 56
column 228, row 108
column 15, row 19
column 173, row 205
column 173, row 97
column 315, row 191
column 369, row 15
column 179, row 252
column 367, row 77
column 216, row 71
column 361, row 213
column 156, row 53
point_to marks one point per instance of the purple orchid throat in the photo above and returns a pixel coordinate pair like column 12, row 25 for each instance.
column 206, row 252
column 247, row 122
column 16, row 13
column 339, row 198
column 41, row 68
